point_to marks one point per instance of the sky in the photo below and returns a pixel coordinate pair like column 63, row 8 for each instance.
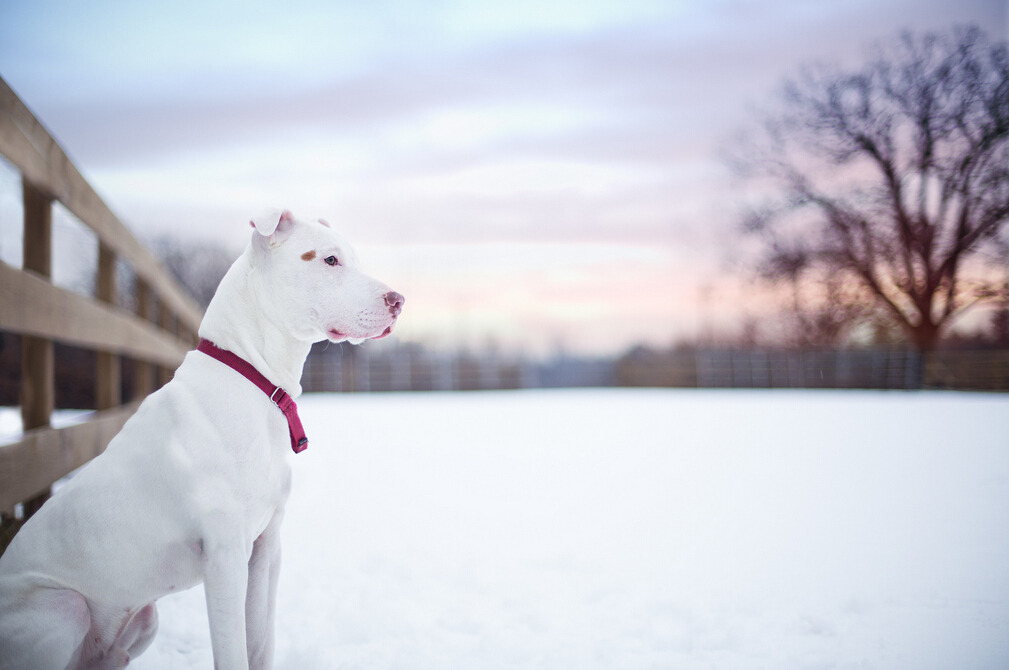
column 535, row 175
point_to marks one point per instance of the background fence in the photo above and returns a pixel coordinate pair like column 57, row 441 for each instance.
column 390, row 367
column 980, row 370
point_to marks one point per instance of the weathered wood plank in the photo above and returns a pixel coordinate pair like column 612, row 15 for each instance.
column 38, row 374
column 38, row 371
column 164, row 319
column 143, row 372
column 108, row 386
column 46, row 454
column 37, row 251
column 30, row 147
column 30, row 305
column 38, row 390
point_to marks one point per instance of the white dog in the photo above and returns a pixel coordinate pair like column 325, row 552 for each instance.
column 193, row 489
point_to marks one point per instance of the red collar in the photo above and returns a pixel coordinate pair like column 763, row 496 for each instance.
column 278, row 395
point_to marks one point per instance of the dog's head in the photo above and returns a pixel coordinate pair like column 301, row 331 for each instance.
column 315, row 281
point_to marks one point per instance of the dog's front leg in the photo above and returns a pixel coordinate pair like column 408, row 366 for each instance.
column 225, row 578
column 261, row 600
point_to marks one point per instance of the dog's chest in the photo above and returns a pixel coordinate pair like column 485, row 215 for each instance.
column 228, row 446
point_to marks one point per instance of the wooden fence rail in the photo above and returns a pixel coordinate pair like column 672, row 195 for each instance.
column 31, row 306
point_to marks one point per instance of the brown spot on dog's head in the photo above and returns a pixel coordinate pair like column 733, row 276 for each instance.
column 308, row 255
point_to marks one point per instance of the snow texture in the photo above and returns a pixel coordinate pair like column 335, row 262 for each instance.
column 639, row 529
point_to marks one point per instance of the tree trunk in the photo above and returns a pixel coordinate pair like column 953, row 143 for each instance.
column 925, row 336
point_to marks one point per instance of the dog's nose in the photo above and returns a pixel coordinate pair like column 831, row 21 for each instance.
column 395, row 302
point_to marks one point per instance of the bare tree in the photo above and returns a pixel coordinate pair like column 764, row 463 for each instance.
column 199, row 266
column 891, row 186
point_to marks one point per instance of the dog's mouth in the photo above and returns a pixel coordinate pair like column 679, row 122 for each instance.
column 340, row 336
column 337, row 335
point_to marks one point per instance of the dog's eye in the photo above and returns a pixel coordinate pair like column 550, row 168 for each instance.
column 331, row 260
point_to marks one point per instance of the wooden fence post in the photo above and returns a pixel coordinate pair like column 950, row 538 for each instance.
column 108, row 392
column 164, row 319
column 143, row 375
column 38, row 384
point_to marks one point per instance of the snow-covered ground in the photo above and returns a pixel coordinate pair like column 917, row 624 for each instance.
column 639, row 529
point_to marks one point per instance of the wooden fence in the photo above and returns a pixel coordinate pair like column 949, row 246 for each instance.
column 157, row 336
column 390, row 366
column 977, row 370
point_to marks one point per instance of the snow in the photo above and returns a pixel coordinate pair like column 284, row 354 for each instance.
column 11, row 427
column 639, row 529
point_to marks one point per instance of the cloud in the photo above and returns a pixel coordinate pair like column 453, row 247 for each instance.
column 690, row 68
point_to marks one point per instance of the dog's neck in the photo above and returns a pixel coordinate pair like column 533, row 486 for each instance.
column 235, row 321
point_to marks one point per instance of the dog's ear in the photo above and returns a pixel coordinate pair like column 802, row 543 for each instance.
column 273, row 227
